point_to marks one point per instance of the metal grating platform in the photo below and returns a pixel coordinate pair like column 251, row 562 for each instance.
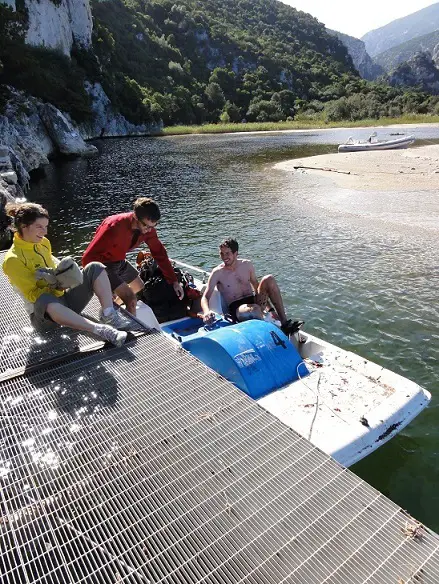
column 22, row 347
column 140, row 465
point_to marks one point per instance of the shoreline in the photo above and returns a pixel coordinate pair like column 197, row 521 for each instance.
column 295, row 127
column 415, row 168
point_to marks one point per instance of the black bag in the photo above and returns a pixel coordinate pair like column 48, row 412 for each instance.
column 160, row 295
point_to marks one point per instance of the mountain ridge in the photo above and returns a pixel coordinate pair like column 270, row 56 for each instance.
column 402, row 29
column 394, row 56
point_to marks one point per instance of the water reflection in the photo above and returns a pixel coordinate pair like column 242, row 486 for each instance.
column 359, row 268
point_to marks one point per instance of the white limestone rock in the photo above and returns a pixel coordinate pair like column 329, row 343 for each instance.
column 67, row 139
column 5, row 195
column 357, row 51
column 58, row 26
column 23, row 132
column 109, row 123
column 9, row 177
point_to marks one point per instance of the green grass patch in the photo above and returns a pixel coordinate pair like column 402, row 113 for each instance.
column 297, row 125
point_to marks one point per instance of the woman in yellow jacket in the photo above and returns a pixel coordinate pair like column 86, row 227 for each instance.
column 46, row 305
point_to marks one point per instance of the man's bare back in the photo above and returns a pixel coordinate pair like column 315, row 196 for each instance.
column 234, row 283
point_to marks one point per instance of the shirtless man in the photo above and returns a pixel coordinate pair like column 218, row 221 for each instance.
column 245, row 297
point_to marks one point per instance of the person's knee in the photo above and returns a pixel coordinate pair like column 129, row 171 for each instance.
column 128, row 296
column 53, row 310
column 93, row 270
column 249, row 311
column 137, row 284
column 267, row 280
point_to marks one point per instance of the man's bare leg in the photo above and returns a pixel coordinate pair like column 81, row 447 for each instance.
column 268, row 290
column 127, row 293
column 248, row 312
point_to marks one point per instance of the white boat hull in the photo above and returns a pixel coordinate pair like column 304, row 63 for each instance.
column 384, row 145
column 347, row 407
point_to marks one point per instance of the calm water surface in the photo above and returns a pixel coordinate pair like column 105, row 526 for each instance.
column 361, row 268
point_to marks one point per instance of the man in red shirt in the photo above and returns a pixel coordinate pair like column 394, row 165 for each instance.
column 119, row 234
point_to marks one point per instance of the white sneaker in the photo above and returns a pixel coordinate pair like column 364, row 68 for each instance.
column 116, row 320
column 110, row 334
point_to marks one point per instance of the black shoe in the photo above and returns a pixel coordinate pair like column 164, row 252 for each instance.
column 290, row 327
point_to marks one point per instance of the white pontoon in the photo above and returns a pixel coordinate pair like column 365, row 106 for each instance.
column 343, row 403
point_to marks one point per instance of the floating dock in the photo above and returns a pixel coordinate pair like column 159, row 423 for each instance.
column 140, row 465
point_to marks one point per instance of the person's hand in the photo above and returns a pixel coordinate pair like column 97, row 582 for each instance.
column 178, row 289
column 209, row 317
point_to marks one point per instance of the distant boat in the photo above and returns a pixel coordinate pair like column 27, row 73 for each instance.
column 372, row 144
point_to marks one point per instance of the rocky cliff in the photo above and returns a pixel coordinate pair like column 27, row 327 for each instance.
column 360, row 57
column 57, row 25
column 32, row 131
column 393, row 57
column 420, row 72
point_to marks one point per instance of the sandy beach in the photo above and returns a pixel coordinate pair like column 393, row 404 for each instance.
column 416, row 168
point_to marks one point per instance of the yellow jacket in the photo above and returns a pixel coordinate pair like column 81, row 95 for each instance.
column 20, row 264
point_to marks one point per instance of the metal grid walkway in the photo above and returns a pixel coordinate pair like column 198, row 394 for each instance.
column 140, row 465
column 21, row 347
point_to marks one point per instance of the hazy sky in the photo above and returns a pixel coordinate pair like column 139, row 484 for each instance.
column 354, row 17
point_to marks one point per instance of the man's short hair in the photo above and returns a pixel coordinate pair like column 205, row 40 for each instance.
column 231, row 243
column 146, row 208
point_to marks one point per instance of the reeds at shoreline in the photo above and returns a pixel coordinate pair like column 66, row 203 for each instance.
column 301, row 124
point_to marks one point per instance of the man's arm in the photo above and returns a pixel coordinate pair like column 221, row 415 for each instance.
column 160, row 255
column 208, row 315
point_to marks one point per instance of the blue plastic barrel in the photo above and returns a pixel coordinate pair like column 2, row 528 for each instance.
column 254, row 355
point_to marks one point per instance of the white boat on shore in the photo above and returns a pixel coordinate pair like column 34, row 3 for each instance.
column 372, row 144
column 344, row 404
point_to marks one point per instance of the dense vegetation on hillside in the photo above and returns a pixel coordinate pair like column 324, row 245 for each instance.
column 197, row 61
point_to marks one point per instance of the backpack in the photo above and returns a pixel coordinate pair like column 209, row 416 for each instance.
column 160, row 295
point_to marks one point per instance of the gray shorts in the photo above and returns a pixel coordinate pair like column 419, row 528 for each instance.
column 120, row 272
column 75, row 298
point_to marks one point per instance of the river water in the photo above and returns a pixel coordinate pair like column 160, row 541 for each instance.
column 361, row 268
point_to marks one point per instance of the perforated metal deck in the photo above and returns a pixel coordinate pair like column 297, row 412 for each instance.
column 22, row 347
column 140, row 465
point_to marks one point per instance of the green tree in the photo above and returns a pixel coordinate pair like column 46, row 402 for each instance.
column 232, row 111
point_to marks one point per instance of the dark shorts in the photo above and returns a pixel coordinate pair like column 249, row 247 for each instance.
column 75, row 298
column 233, row 306
column 120, row 272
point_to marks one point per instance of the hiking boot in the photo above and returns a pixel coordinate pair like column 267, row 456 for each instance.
column 289, row 327
column 110, row 334
column 116, row 320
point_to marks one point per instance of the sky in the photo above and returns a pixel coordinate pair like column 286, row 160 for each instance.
column 356, row 18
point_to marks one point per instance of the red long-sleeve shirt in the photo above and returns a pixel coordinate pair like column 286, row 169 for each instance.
column 113, row 240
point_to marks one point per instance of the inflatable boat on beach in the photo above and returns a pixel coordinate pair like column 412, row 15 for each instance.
column 372, row 144
column 344, row 404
